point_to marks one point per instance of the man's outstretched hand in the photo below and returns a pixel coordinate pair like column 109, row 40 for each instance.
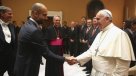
column 71, row 60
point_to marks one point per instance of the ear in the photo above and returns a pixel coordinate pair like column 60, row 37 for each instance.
column 35, row 13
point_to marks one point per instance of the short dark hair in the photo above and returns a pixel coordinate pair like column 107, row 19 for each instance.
column 128, row 23
column 134, row 21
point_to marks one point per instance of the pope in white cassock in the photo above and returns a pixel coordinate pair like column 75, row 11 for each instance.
column 111, row 51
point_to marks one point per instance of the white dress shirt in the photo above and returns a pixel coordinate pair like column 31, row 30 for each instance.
column 6, row 31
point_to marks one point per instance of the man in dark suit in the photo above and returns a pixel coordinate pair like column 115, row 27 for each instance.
column 83, row 26
column 7, row 41
column 94, row 32
column 73, row 37
column 31, row 44
column 85, row 40
column 132, row 36
column 129, row 30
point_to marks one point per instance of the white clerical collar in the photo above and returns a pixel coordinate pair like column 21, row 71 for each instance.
column 108, row 27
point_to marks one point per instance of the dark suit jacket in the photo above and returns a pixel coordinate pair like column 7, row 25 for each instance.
column 92, row 37
column 130, row 36
column 52, row 34
column 31, row 47
column 133, row 44
column 81, row 31
column 134, row 36
column 73, row 34
column 7, row 49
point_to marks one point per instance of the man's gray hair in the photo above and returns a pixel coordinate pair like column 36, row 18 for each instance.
column 56, row 16
column 4, row 9
column 106, row 13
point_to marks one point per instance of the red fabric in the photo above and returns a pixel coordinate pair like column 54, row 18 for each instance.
column 56, row 42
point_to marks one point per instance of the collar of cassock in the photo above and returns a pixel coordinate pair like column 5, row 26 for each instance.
column 107, row 27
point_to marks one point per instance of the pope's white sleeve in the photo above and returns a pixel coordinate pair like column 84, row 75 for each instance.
column 85, row 57
column 122, row 67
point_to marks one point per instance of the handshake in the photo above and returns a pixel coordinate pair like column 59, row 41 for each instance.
column 71, row 60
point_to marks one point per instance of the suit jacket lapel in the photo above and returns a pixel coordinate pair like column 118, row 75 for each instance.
column 34, row 24
column 12, row 31
column 2, row 37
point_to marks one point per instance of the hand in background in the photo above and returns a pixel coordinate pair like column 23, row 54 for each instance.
column 71, row 60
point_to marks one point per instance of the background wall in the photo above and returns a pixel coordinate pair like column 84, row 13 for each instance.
column 72, row 9
column 130, row 9
column 117, row 9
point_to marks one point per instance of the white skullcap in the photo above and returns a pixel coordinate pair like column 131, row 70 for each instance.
column 106, row 13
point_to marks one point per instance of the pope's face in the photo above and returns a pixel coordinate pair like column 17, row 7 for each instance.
column 101, row 21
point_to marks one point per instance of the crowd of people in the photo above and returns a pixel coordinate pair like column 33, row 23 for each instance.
column 98, row 44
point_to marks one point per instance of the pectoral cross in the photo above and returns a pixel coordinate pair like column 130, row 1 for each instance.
column 58, row 37
column 96, row 51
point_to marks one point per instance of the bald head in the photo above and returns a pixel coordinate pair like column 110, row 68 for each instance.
column 39, row 12
column 38, row 6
